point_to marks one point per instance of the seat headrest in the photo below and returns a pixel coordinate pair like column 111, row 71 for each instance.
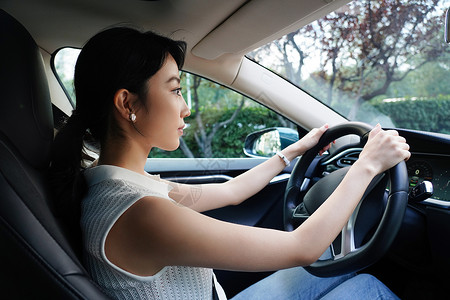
column 25, row 106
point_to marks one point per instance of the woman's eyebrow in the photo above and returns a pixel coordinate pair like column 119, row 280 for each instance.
column 174, row 78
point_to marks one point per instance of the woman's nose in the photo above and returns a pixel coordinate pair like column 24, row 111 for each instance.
column 185, row 111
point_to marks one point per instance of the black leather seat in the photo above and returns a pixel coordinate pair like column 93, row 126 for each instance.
column 37, row 261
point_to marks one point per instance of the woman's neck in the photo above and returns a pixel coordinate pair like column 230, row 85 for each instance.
column 125, row 154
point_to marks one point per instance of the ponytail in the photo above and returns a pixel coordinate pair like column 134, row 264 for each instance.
column 68, row 143
column 67, row 183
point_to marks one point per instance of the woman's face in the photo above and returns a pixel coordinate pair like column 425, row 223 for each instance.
column 162, row 123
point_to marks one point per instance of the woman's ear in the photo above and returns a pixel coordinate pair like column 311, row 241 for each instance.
column 123, row 102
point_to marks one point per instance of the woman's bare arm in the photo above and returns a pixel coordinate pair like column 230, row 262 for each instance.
column 204, row 197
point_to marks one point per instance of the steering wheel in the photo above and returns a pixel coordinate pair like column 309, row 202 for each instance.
column 373, row 225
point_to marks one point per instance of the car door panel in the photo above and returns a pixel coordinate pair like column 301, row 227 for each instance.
column 263, row 209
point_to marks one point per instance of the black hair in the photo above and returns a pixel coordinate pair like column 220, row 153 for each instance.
column 116, row 58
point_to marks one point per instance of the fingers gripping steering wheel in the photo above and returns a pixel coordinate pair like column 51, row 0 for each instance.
column 373, row 225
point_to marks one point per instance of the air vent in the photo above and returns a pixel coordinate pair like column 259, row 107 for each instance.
column 348, row 159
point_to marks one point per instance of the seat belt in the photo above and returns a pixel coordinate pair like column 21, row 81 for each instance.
column 215, row 296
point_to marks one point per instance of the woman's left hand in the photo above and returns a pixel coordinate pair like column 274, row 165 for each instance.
column 307, row 142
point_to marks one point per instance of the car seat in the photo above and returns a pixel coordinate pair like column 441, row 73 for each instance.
column 37, row 260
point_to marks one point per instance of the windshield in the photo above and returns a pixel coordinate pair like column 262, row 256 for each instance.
column 373, row 61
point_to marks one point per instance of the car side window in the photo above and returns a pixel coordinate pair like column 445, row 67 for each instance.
column 63, row 65
column 220, row 117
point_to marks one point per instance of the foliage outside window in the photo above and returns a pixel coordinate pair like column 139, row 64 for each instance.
column 64, row 65
column 373, row 61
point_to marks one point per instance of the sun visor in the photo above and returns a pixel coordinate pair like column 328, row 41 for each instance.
column 259, row 22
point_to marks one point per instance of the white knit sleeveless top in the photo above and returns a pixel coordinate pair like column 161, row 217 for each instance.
column 111, row 191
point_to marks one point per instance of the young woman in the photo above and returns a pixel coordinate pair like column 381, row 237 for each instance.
column 144, row 237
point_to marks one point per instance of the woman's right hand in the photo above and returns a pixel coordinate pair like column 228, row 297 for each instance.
column 384, row 149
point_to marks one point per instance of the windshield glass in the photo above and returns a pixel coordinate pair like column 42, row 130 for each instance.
column 372, row 61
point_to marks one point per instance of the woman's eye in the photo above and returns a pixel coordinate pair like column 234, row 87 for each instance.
column 177, row 91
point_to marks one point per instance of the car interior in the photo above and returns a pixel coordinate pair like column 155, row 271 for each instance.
column 405, row 242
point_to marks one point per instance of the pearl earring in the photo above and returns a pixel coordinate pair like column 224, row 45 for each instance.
column 133, row 117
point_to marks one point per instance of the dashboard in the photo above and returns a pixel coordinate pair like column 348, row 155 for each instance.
column 433, row 168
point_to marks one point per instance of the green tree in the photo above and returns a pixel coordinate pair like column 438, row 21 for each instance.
column 429, row 81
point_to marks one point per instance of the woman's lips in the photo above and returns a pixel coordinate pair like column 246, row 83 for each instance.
column 180, row 129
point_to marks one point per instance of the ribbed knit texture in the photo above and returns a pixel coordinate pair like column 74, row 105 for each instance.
column 112, row 190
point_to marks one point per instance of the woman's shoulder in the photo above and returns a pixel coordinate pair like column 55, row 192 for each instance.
column 112, row 188
column 105, row 175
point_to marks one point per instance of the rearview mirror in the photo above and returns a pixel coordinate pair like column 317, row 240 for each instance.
column 267, row 142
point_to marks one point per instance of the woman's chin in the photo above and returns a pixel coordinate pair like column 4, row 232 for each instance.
column 171, row 147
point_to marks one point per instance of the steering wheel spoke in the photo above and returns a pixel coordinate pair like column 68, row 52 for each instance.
column 347, row 238
column 299, row 215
